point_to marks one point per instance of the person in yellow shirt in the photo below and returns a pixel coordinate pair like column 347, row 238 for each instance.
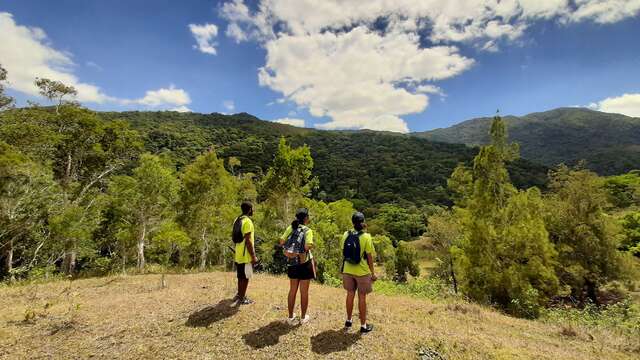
column 297, row 242
column 245, row 255
column 357, row 270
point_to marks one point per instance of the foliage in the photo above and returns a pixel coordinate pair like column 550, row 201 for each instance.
column 445, row 231
column 405, row 261
column 506, row 257
column 631, row 233
column 624, row 190
column 399, row 223
column 585, row 237
column 5, row 101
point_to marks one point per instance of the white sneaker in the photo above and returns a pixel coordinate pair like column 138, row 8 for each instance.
column 291, row 321
column 305, row 320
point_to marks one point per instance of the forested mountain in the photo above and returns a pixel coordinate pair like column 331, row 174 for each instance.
column 366, row 166
column 610, row 143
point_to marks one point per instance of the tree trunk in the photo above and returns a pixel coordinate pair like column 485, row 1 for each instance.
column 141, row 240
column 453, row 275
column 124, row 261
column 67, row 171
column 204, row 251
column 69, row 262
column 9, row 260
column 592, row 292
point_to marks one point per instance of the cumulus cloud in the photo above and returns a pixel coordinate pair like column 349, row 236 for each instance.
column 27, row 53
column 181, row 109
column 362, row 63
column 627, row 104
column 204, row 35
column 290, row 121
column 229, row 105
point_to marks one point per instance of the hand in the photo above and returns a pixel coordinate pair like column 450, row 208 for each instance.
column 254, row 260
column 374, row 277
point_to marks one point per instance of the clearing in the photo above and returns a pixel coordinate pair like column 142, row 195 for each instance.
column 135, row 317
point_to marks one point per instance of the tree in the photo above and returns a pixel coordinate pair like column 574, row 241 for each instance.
column 55, row 91
column 584, row 235
column 26, row 193
column 145, row 200
column 209, row 198
column 445, row 230
column 5, row 101
column 505, row 256
column 405, row 261
column 400, row 223
column 288, row 179
column 631, row 232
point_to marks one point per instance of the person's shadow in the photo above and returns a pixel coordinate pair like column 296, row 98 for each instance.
column 268, row 335
column 211, row 314
column 331, row 341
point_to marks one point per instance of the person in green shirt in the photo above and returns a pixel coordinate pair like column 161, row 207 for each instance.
column 361, row 275
column 245, row 255
column 297, row 242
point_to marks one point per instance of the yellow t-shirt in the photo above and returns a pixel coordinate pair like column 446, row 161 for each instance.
column 366, row 245
column 308, row 240
column 242, row 253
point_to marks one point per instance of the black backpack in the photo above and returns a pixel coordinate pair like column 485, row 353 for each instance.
column 295, row 243
column 236, row 235
column 351, row 249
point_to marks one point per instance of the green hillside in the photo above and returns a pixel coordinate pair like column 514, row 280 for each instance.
column 610, row 143
column 367, row 166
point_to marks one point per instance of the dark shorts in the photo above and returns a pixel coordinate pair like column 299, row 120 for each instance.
column 244, row 271
column 301, row 272
column 364, row 284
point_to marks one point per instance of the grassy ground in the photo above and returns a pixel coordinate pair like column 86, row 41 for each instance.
column 134, row 317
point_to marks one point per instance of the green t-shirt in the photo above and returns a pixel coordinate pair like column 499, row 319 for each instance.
column 242, row 253
column 308, row 240
column 366, row 245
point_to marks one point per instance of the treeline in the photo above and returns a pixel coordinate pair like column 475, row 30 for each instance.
column 81, row 195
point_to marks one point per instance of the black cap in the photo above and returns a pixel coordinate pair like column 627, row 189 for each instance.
column 357, row 218
column 302, row 214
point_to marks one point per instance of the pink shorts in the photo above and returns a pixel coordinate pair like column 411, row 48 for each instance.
column 363, row 284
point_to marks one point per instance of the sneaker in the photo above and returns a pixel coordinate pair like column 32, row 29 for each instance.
column 246, row 301
column 291, row 321
column 348, row 323
column 305, row 319
column 366, row 329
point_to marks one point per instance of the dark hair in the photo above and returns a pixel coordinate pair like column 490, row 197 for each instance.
column 357, row 219
column 246, row 207
column 301, row 214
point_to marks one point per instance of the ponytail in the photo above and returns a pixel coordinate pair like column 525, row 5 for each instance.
column 295, row 224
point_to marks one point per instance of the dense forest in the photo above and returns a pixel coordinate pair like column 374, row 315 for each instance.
column 369, row 168
column 609, row 143
column 84, row 193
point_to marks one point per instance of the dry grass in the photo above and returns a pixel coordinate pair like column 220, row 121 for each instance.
column 133, row 317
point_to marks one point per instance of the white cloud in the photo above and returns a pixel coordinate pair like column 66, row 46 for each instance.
column 93, row 65
column 204, row 35
column 329, row 56
column 27, row 53
column 162, row 97
column 229, row 105
column 627, row 104
column 290, row 121
column 181, row 109
column 430, row 89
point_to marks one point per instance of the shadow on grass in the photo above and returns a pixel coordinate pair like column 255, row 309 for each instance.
column 211, row 314
column 268, row 335
column 331, row 341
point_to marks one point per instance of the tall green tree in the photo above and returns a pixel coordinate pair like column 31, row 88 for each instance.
column 445, row 231
column 27, row 192
column 288, row 179
column 208, row 202
column 5, row 101
column 55, row 91
column 145, row 200
column 584, row 235
column 505, row 257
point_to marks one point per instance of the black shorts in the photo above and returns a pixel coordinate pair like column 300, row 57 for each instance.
column 244, row 271
column 301, row 272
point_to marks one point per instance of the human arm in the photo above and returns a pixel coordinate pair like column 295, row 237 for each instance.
column 250, row 248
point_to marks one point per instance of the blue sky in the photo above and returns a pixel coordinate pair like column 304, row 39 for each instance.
column 426, row 68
